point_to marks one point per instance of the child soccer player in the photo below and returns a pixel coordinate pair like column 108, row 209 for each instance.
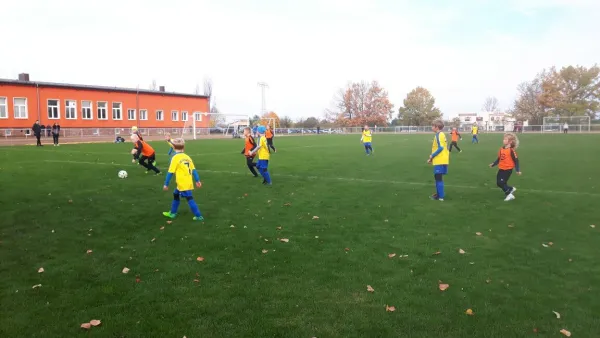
column 440, row 158
column 455, row 137
column 270, row 134
column 507, row 161
column 366, row 138
column 263, row 156
column 142, row 151
column 185, row 176
column 475, row 131
column 249, row 145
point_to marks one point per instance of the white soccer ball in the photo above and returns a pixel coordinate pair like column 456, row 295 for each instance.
column 122, row 174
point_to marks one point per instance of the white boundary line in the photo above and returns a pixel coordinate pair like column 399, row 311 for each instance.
column 350, row 179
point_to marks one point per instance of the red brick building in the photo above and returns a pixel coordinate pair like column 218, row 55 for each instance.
column 22, row 102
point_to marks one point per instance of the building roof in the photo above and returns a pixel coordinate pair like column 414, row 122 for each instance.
column 467, row 114
column 100, row 88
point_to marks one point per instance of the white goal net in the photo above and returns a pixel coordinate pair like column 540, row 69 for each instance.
column 206, row 125
column 572, row 123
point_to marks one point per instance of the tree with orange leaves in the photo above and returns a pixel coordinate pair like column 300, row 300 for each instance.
column 362, row 103
column 270, row 118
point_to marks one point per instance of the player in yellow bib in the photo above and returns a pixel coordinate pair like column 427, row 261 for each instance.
column 475, row 132
column 440, row 158
column 263, row 156
column 185, row 173
column 367, row 137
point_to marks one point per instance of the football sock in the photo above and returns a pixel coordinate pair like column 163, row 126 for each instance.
column 439, row 186
column 267, row 177
column 194, row 207
column 174, row 206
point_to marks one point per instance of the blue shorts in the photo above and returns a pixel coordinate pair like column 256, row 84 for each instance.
column 262, row 164
column 440, row 169
column 367, row 144
column 186, row 193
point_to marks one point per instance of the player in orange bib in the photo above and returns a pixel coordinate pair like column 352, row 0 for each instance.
column 143, row 152
column 249, row 145
column 270, row 134
column 507, row 161
column 455, row 137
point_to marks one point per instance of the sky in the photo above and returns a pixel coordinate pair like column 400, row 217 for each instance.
column 462, row 51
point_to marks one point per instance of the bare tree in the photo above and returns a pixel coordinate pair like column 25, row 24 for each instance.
column 153, row 85
column 197, row 89
column 491, row 104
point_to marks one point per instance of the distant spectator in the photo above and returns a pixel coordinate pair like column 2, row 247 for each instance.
column 565, row 128
column 55, row 133
column 318, row 130
column 37, row 131
column 48, row 130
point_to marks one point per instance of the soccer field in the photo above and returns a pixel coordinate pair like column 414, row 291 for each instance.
column 344, row 213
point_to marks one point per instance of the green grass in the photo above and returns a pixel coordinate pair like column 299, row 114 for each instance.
column 311, row 286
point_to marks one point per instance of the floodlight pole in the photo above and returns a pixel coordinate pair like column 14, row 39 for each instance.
column 263, row 86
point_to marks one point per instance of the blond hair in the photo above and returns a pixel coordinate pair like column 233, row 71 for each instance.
column 439, row 124
column 178, row 143
column 513, row 140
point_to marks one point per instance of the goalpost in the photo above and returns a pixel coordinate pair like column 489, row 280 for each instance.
column 575, row 123
column 216, row 124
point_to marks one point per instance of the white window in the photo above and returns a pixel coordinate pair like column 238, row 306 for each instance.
column 116, row 110
column 70, row 109
column 159, row 115
column 101, row 110
column 86, row 110
column 53, row 109
column 20, row 107
column 184, row 116
column 143, row 114
column 3, row 108
column 131, row 114
column 174, row 115
column 198, row 116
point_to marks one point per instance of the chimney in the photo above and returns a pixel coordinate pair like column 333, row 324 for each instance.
column 161, row 88
column 24, row 77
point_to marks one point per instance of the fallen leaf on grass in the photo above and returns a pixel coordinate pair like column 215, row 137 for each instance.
column 169, row 222
column 511, row 226
column 200, row 259
column 550, row 243
column 544, row 245
column 287, row 204
column 461, row 251
column 265, row 251
column 88, row 252
column 444, row 287
column 370, row 288
column 488, row 281
column 70, row 201
column 469, row 312
column 390, row 308
column 40, row 270
column 232, row 226
column 86, row 326
column 278, row 228
column 196, row 281
column 284, row 240
column 535, row 330
column 315, row 217
column 592, row 226
column 346, row 249
column 478, row 233
column 162, row 228
column 125, row 270
column 153, row 239
column 556, row 314
column 36, row 286
column 437, row 253
column 392, row 255
column 95, row 322
column 138, row 279
column 565, row 332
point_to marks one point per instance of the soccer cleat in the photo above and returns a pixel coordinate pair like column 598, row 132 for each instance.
column 510, row 197
column 169, row 214
column 200, row 218
column 434, row 197
column 158, row 173
column 513, row 190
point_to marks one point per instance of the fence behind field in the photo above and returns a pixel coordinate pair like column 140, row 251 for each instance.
column 18, row 136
